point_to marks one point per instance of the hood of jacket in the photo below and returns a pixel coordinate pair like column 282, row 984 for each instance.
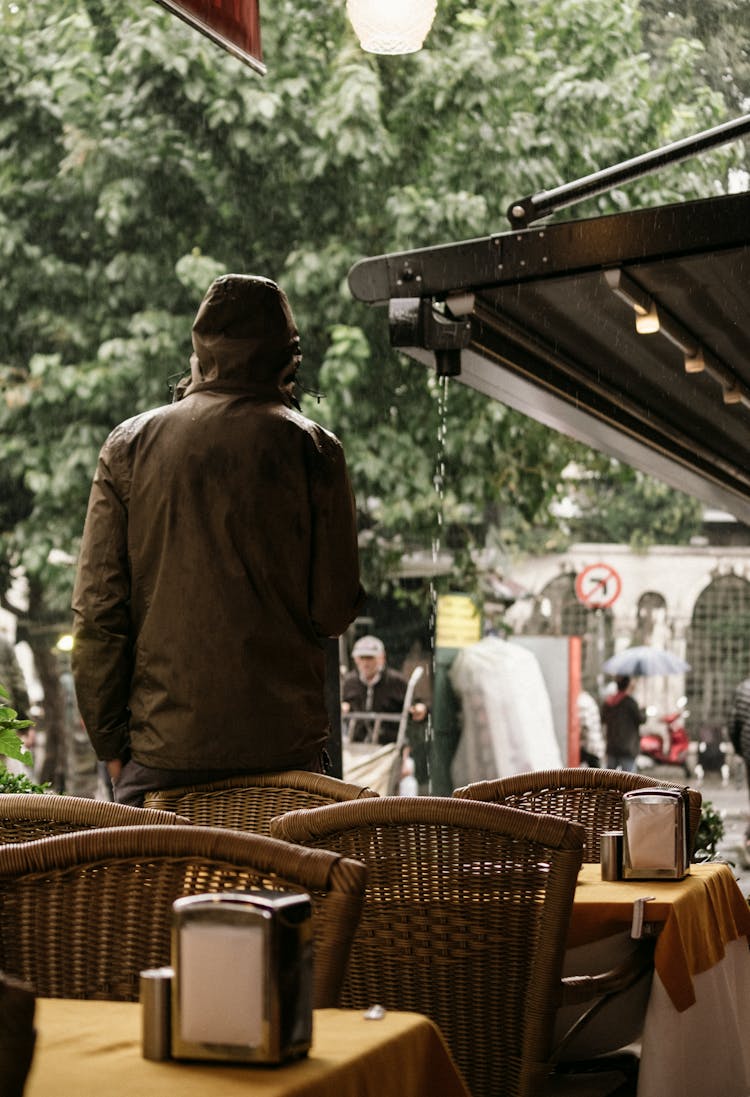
column 244, row 330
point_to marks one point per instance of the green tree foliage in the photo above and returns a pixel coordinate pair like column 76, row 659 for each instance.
column 723, row 29
column 11, row 728
column 11, row 746
column 621, row 505
column 138, row 160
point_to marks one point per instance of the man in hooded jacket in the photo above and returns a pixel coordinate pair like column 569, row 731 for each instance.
column 219, row 552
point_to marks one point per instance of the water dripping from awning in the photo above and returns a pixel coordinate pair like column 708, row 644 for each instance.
column 438, row 483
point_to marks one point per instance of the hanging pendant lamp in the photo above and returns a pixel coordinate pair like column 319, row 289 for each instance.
column 391, row 26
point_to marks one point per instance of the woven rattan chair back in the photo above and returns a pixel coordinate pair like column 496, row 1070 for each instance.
column 26, row 817
column 251, row 802
column 17, row 1035
column 465, row 919
column 592, row 797
column 81, row 915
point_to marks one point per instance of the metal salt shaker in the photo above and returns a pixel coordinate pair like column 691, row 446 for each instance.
column 155, row 993
column 610, row 854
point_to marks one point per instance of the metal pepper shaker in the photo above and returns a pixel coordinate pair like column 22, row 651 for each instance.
column 610, row 854
column 155, row 993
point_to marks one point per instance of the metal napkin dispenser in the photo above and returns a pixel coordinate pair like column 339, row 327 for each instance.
column 242, row 985
column 655, row 845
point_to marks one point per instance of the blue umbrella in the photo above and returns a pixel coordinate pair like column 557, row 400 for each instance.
column 645, row 662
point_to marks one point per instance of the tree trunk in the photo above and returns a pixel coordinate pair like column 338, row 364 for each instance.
column 48, row 669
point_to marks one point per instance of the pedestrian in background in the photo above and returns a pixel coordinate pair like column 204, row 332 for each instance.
column 375, row 687
column 592, row 747
column 739, row 730
column 81, row 763
column 622, row 718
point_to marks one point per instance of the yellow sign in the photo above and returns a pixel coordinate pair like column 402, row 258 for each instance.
column 459, row 622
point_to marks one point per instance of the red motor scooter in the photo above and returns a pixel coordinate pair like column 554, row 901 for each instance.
column 671, row 747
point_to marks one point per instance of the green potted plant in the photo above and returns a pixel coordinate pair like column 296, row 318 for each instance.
column 710, row 834
column 11, row 746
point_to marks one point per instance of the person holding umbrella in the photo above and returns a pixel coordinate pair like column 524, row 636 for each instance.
column 645, row 662
column 622, row 718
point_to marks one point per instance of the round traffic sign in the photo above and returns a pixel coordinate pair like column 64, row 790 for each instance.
column 598, row 586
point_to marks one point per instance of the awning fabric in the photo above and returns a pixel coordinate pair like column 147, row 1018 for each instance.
column 544, row 319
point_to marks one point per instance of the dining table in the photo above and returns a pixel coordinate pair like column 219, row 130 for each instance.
column 88, row 1048
column 696, row 1034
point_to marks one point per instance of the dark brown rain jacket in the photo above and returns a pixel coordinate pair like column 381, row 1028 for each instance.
column 219, row 551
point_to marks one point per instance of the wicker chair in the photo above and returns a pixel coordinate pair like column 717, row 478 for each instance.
column 250, row 803
column 592, row 797
column 17, row 1035
column 81, row 915
column 465, row 919
column 26, row 817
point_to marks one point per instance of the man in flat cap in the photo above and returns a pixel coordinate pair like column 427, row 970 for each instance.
column 219, row 553
column 375, row 687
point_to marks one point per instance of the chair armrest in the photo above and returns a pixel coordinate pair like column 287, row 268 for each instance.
column 578, row 989
column 601, row 988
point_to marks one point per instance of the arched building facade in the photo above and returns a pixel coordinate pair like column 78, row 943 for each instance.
column 693, row 601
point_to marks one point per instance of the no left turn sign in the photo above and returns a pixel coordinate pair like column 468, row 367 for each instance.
column 598, row 586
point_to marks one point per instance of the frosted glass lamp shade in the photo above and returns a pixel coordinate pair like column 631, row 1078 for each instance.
column 391, row 26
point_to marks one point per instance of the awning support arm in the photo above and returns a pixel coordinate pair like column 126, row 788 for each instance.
column 526, row 210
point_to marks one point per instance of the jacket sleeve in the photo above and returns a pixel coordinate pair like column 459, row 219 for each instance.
column 336, row 595
column 102, row 649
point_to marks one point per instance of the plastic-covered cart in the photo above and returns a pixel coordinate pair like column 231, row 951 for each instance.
column 373, row 763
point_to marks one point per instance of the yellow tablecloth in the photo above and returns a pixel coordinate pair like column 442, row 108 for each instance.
column 701, row 915
column 93, row 1049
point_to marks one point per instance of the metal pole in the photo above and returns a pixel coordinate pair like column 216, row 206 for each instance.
column 333, row 705
column 534, row 206
column 446, row 729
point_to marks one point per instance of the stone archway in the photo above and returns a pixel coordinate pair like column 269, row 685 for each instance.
column 652, row 627
column 558, row 612
column 718, row 648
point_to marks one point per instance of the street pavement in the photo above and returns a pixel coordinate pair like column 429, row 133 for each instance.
column 729, row 796
column 731, row 800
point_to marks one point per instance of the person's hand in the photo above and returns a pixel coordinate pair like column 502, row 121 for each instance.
column 418, row 712
column 114, row 769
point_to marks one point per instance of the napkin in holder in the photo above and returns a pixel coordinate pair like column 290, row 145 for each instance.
column 242, row 985
column 654, row 823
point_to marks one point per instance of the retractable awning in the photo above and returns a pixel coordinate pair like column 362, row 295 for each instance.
column 543, row 319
